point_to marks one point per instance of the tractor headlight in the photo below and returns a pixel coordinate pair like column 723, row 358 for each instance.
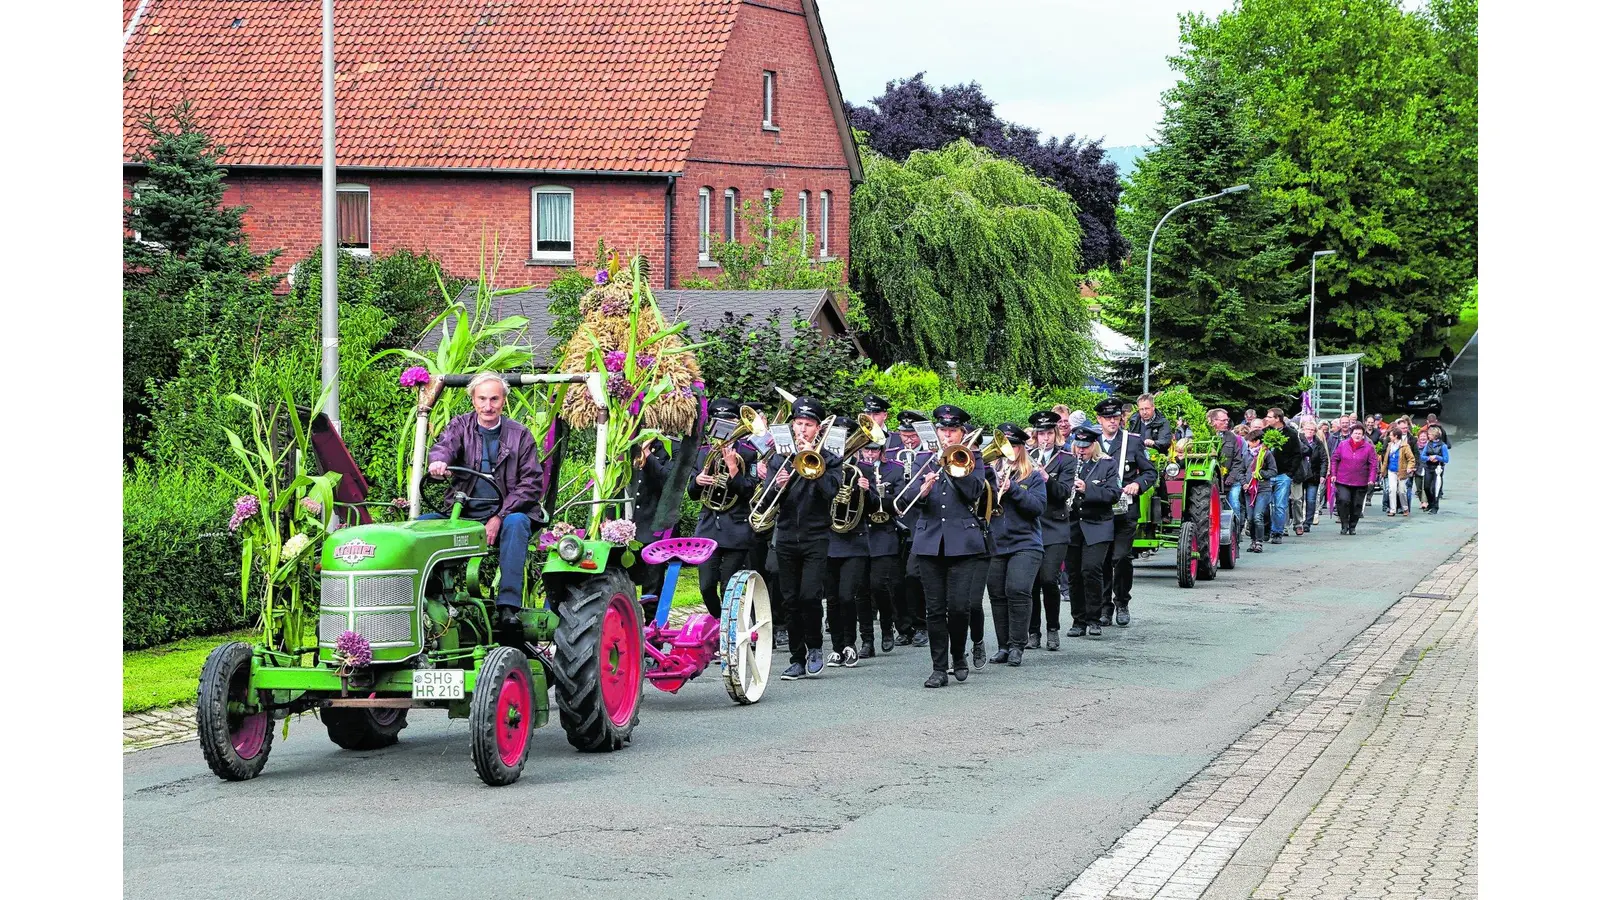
column 570, row 549
column 1174, row 470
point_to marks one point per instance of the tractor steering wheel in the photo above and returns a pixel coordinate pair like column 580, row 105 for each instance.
column 483, row 476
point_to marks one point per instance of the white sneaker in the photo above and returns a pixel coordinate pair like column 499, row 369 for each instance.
column 850, row 658
column 835, row 660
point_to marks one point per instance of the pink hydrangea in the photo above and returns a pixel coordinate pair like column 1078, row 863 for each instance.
column 561, row 529
column 353, row 650
column 416, row 376
column 618, row 531
column 244, row 508
column 602, row 276
column 616, row 360
column 312, row 506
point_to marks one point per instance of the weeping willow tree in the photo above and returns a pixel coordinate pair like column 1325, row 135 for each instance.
column 960, row 255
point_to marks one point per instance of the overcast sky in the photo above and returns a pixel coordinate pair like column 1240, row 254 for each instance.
column 1094, row 68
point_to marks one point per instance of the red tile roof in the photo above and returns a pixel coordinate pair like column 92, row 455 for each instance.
column 580, row 85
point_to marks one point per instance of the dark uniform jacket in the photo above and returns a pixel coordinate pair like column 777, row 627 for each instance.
column 1317, row 454
column 948, row 526
column 1157, row 429
column 1016, row 522
column 731, row 529
column 1136, row 468
column 1090, row 519
column 1053, row 524
column 883, row 540
column 908, row 474
column 645, row 487
column 803, row 511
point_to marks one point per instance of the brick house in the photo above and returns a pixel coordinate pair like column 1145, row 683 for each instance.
column 554, row 123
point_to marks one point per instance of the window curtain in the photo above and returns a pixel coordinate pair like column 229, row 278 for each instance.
column 554, row 233
column 353, row 219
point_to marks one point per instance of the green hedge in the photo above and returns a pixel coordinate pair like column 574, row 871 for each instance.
column 180, row 564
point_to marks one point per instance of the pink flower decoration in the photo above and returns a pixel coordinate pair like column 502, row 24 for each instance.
column 616, row 360
column 353, row 649
column 610, row 307
column 312, row 506
column 645, row 362
column 618, row 385
column 243, row 509
column 416, row 376
column 618, row 531
column 602, row 276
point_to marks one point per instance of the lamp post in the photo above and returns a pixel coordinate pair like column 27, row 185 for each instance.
column 330, row 230
column 1150, row 255
column 1311, row 336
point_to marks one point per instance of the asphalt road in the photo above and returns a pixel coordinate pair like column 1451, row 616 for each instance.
column 860, row 782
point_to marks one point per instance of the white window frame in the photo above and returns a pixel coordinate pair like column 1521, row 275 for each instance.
column 705, row 225
column 154, row 245
column 822, row 224
column 805, row 223
column 353, row 188
column 534, row 253
column 769, row 100
column 730, row 215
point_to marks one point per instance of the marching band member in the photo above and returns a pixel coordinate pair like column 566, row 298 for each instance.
column 884, row 478
column 1056, row 467
column 1018, row 545
column 1091, row 531
column 848, row 553
column 1135, row 474
column 730, row 529
column 910, row 603
column 801, row 539
column 952, row 554
column 877, row 409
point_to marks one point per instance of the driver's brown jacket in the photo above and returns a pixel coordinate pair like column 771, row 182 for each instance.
column 516, row 467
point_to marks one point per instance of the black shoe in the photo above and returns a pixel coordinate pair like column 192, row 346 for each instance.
column 961, row 668
column 1255, row 547
column 888, row 644
column 1033, row 642
column 866, row 650
column 1000, row 656
column 1075, row 631
column 508, row 626
column 1122, row 614
column 1094, row 629
column 978, row 659
column 1105, row 619
column 900, row 640
column 1053, row 639
column 921, row 640
column 1277, row 539
column 936, row 680
column 781, row 639
column 1015, row 654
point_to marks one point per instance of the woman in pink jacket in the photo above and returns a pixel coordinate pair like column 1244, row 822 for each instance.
column 1352, row 468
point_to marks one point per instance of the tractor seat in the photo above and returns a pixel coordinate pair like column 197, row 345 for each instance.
column 691, row 550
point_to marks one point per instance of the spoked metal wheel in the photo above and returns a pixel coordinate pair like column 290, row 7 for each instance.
column 746, row 637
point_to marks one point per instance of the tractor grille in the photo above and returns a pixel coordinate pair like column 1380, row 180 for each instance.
column 381, row 609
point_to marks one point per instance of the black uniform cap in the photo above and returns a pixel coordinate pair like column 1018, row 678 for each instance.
column 722, row 408
column 1084, row 435
column 872, row 403
column 1110, row 406
column 948, row 416
column 807, row 408
column 909, row 419
column 1045, row 419
column 1013, row 433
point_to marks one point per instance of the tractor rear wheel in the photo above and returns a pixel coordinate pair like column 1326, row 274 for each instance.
column 1187, row 563
column 599, row 662
column 363, row 729
column 501, row 716
column 1205, row 510
column 235, row 742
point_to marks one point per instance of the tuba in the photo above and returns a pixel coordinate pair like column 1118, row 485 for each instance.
column 851, row 502
column 720, row 497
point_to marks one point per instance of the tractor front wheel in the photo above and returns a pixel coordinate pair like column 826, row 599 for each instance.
column 363, row 729
column 501, row 716
column 599, row 662
column 1188, row 563
column 235, row 741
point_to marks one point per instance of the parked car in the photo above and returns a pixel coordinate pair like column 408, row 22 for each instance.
column 1433, row 372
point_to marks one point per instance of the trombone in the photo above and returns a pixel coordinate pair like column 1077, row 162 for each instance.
column 807, row 462
column 719, row 497
column 850, row 503
column 956, row 461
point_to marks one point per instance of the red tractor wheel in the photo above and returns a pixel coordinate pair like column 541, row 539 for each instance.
column 363, row 729
column 501, row 716
column 599, row 662
column 1210, row 525
column 235, row 742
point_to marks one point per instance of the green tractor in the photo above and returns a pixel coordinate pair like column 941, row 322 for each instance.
column 1188, row 514
column 415, row 599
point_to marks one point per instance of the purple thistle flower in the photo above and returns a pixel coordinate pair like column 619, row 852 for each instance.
column 618, row 385
column 602, row 276
column 353, row 649
column 416, row 376
column 610, row 307
column 645, row 362
column 616, row 360
column 243, row 509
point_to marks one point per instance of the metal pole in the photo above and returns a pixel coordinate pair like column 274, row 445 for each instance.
column 330, row 230
column 1149, row 255
column 1311, row 332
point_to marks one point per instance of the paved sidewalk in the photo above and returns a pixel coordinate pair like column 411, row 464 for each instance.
column 1362, row 783
column 176, row 724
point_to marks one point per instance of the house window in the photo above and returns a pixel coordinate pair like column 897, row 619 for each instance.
column 552, row 223
column 822, row 225
column 142, row 186
column 705, row 224
column 355, row 218
column 769, row 96
column 730, row 213
column 805, row 223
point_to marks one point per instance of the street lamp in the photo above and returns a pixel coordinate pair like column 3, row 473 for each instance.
column 1150, row 254
column 1311, row 336
column 330, row 230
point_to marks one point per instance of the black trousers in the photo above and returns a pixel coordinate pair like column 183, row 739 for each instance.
column 802, row 570
column 877, row 600
column 1348, row 500
column 765, row 560
column 1047, row 589
column 1432, row 480
column 716, row 572
column 1011, row 578
column 953, row 585
column 910, row 605
column 1086, row 569
column 1117, row 585
column 846, row 576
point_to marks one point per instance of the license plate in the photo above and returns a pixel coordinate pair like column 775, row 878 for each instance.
column 438, row 684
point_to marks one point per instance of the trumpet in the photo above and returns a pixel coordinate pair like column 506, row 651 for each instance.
column 849, row 505
column 879, row 515
column 807, row 462
column 718, row 497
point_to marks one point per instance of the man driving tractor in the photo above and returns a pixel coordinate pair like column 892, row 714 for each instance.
column 504, row 450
